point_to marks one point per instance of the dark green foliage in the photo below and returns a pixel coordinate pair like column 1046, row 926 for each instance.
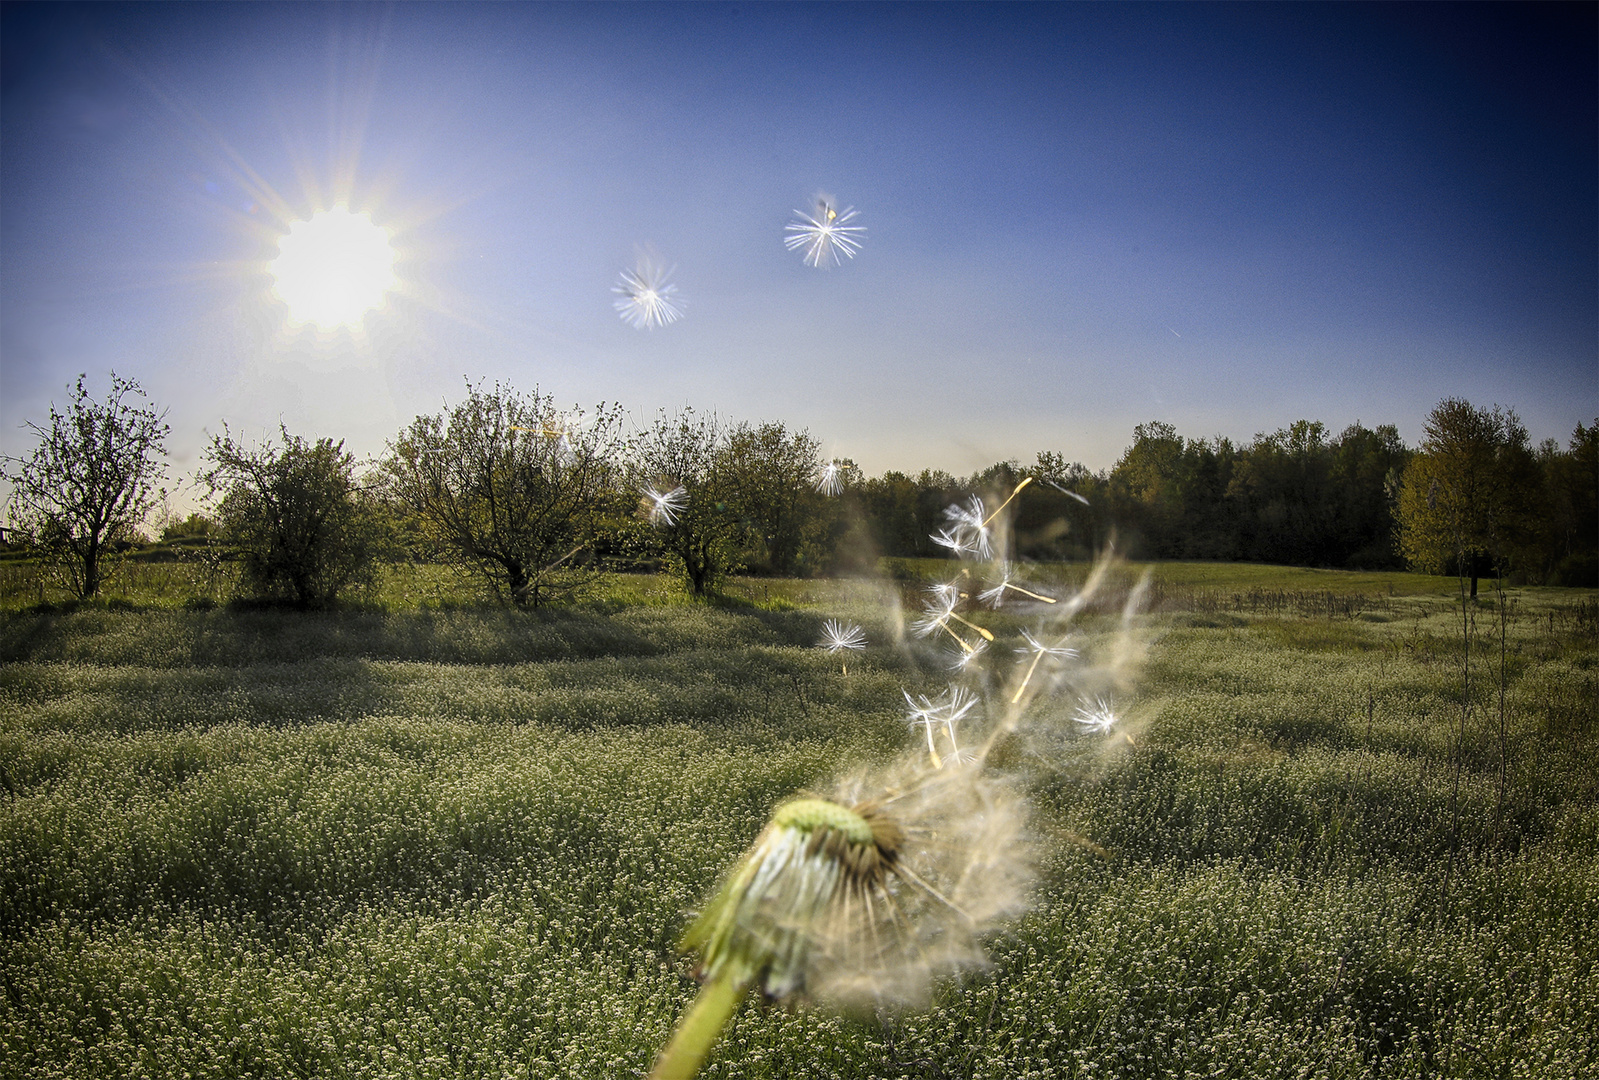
column 304, row 527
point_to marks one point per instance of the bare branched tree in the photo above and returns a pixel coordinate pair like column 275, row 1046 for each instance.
column 511, row 488
column 90, row 481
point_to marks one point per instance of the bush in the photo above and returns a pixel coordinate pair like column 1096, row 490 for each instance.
column 304, row 526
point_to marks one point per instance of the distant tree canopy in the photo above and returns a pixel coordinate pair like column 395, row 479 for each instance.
column 772, row 475
column 511, row 488
column 1476, row 499
column 534, row 499
column 1295, row 496
column 90, row 481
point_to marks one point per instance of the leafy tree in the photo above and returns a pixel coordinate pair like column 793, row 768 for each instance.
column 511, row 488
column 1063, row 515
column 1282, row 489
column 90, row 481
column 1569, row 537
column 700, row 528
column 304, row 525
column 772, row 474
column 1367, row 464
column 1468, row 498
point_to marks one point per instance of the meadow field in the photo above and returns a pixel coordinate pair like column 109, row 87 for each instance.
column 420, row 836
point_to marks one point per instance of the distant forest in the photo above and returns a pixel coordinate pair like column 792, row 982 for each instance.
column 1298, row 496
column 534, row 498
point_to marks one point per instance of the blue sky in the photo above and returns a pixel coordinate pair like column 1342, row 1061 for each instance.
column 1079, row 217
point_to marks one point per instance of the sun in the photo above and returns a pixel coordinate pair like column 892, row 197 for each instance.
column 333, row 268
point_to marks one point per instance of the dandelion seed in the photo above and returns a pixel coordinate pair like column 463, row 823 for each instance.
column 1039, row 651
column 1017, row 490
column 967, row 533
column 938, row 613
column 824, row 236
column 925, row 716
column 996, row 595
column 1065, row 491
column 647, row 299
column 1096, row 716
column 946, row 713
column 967, row 659
column 664, row 508
column 836, row 638
column 831, row 482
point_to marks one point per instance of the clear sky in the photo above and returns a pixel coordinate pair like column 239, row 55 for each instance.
column 1079, row 217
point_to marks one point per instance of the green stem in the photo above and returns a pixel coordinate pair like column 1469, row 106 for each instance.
column 698, row 1029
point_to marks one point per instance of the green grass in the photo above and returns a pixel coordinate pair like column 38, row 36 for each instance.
column 415, row 837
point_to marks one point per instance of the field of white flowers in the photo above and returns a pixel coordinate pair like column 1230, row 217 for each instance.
column 419, row 840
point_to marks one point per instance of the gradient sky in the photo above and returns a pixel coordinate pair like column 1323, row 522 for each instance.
column 1080, row 217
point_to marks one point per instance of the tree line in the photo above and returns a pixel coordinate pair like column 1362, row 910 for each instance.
column 533, row 500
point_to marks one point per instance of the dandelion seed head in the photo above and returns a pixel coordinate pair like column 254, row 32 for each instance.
column 825, row 236
column 646, row 298
column 866, row 896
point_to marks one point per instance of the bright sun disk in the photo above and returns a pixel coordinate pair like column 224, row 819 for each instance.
column 334, row 268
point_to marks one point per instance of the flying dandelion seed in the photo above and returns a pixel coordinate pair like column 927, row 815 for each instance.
column 966, row 659
column 1066, row 491
column 967, row 533
column 938, row 612
column 945, row 713
column 1039, row 651
column 831, row 482
column 664, row 508
column 1015, row 491
column 825, row 236
column 838, row 638
column 996, row 596
column 647, row 299
column 952, row 709
column 924, row 715
column 1096, row 716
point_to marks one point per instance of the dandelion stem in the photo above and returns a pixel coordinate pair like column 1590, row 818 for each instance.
column 1006, row 503
column 698, row 1029
column 1037, row 656
column 986, row 636
column 943, row 624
